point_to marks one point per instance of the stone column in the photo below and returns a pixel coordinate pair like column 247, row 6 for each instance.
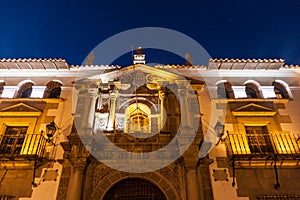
column 204, row 181
column 183, row 88
column 75, row 183
column 192, row 183
column 197, row 89
column 93, row 97
column 163, row 121
column 77, row 156
column 112, row 110
column 190, row 164
column 184, row 108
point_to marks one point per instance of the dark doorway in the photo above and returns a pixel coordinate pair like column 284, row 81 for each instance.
column 134, row 189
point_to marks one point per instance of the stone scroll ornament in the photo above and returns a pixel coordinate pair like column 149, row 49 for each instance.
column 105, row 53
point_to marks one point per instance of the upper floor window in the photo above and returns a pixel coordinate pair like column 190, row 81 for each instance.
column 12, row 140
column 250, row 93
column 53, row 89
column 224, row 89
column 253, row 89
column 282, row 89
column 25, row 89
column 2, row 84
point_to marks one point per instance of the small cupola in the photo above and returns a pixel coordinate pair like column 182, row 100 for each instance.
column 139, row 57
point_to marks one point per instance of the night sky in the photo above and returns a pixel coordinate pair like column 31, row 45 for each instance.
column 70, row 29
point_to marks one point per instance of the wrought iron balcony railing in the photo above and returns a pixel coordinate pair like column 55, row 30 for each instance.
column 262, row 145
column 30, row 146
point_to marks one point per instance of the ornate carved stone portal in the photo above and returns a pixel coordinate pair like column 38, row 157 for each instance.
column 140, row 110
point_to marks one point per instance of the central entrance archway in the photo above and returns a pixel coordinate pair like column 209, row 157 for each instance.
column 134, row 189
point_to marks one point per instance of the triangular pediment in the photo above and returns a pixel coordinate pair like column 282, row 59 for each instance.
column 21, row 107
column 141, row 73
column 253, row 109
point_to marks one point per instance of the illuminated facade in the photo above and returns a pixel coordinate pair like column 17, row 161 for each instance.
column 140, row 109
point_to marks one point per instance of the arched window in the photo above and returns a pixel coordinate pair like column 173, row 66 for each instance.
column 25, row 89
column 224, row 89
column 137, row 118
column 282, row 89
column 253, row 89
column 53, row 89
column 2, row 84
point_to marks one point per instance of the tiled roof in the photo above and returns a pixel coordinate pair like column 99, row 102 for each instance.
column 291, row 66
column 241, row 64
column 246, row 60
column 222, row 64
column 180, row 66
column 33, row 63
column 94, row 67
column 32, row 60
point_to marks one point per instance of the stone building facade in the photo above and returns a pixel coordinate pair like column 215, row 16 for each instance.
column 149, row 132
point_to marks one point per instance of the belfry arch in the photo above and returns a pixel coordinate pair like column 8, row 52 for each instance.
column 137, row 118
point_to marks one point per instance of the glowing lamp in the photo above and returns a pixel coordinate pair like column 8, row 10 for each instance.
column 51, row 129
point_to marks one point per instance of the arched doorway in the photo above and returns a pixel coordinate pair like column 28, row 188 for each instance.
column 134, row 189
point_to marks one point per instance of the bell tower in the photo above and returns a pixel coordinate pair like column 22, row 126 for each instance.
column 139, row 57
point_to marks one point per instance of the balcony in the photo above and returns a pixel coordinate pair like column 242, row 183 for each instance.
column 30, row 147
column 262, row 146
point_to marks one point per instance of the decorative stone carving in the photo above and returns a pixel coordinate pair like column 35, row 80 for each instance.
column 101, row 121
column 100, row 171
column 120, row 121
column 140, row 79
column 193, row 103
column 154, row 125
column 151, row 78
column 172, row 173
column 173, row 125
column 126, row 78
column 106, row 181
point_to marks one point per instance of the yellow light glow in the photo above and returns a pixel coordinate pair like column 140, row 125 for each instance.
column 137, row 118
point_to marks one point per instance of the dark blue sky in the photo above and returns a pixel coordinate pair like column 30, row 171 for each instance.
column 71, row 29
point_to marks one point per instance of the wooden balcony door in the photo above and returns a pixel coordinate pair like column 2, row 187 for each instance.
column 259, row 140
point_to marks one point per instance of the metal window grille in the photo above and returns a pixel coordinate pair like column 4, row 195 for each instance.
column 17, row 142
column 7, row 197
column 277, row 197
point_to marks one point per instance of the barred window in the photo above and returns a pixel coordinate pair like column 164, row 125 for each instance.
column 7, row 197
column 277, row 197
column 12, row 140
column 259, row 139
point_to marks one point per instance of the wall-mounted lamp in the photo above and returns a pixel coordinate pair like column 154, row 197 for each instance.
column 219, row 129
column 50, row 131
column 51, row 128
